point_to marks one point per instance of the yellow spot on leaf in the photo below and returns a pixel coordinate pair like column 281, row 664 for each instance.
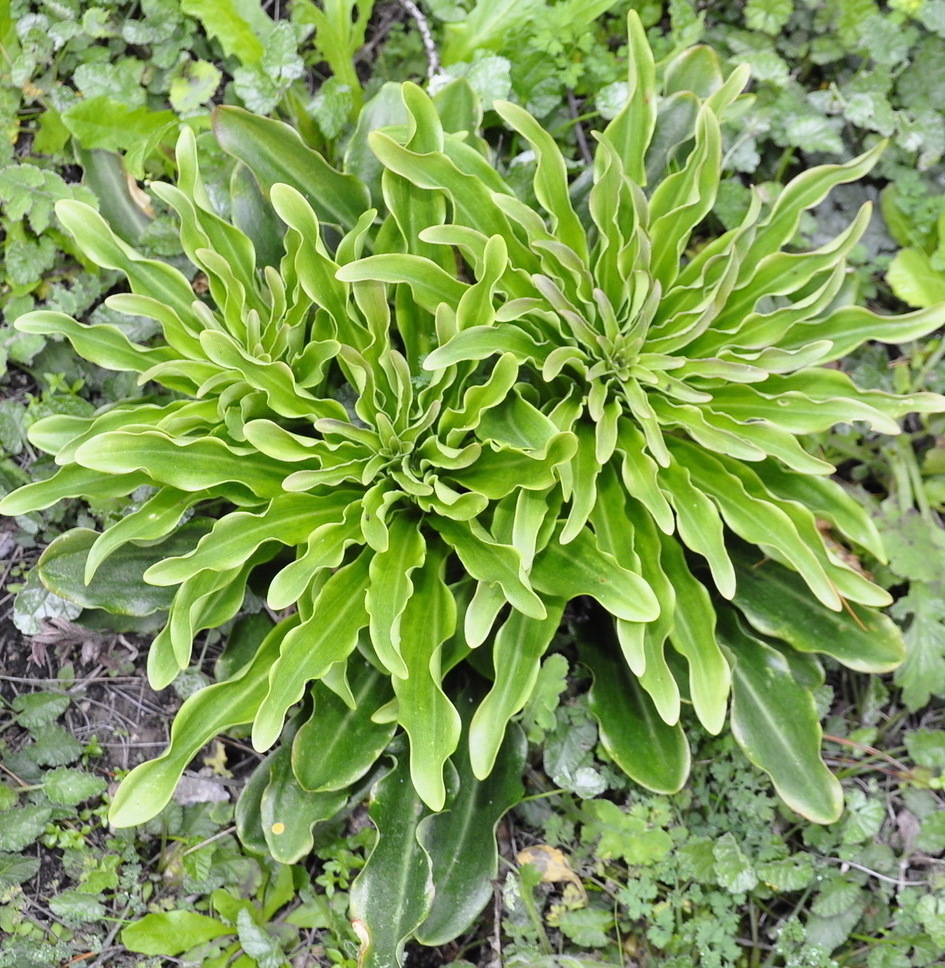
column 278, row 828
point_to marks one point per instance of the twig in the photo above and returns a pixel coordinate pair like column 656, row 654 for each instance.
column 579, row 130
column 881, row 877
column 210, row 840
column 433, row 57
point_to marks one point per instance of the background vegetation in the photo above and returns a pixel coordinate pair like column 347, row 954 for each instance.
column 595, row 870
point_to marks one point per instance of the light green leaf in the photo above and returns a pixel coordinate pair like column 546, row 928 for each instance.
column 913, row 279
column 493, row 563
column 518, row 648
column 391, row 589
column 288, row 519
column 222, row 20
column 223, row 705
column 328, row 635
column 187, row 464
column 581, row 568
column 424, row 710
column 102, row 122
column 171, row 933
column 105, row 345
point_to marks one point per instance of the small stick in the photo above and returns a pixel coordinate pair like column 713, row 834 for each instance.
column 433, row 58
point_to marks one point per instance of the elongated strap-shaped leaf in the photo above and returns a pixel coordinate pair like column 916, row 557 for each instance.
column 777, row 602
column 699, row 525
column 649, row 751
column 391, row 588
column 205, row 601
column 481, row 342
column 287, row 812
column 470, row 192
column 824, row 384
column 430, row 284
column 846, row 581
column 760, row 521
column 276, row 379
column 850, row 326
column 519, row 646
column 684, row 198
column 476, row 305
column 517, row 423
column 770, row 439
column 480, row 397
column 325, row 548
column 788, row 272
column 461, row 841
column 393, row 894
column 796, row 412
column 176, row 333
column 275, row 152
column 247, row 814
column 337, row 745
column 631, row 130
column 640, row 475
column 502, row 471
column 644, row 644
column 581, row 568
column 775, row 722
column 328, row 636
column 211, row 710
column 828, row 500
column 156, row 518
column 551, row 177
column 316, row 271
column 188, row 465
column 102, row 344
column 427, row 715
column 147, row 276
column 693, row 636
column 288, row 519
column 801, row 193
column 55, row 432
column 226, row 239
column 766, row 330
column 483, row 609
column 491, row 562
column 585, row 469
column 70, row 481
column 710, row 435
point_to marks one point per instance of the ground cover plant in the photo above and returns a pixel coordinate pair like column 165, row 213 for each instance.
column 464, row 467
column 629, row 389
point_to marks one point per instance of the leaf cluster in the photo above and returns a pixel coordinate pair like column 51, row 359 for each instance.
column 420, row 408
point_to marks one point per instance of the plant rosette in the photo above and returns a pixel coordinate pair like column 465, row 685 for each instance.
column 420, row 434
